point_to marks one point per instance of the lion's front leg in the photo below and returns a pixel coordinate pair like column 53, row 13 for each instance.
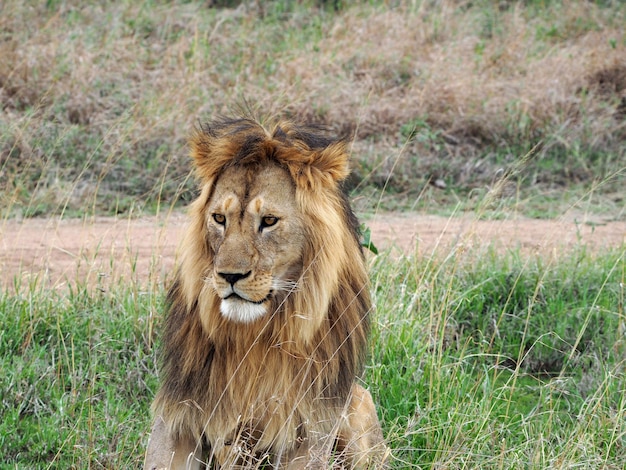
column 311, row 454
column 360, row 438
column 165, row 453
column 357, row 440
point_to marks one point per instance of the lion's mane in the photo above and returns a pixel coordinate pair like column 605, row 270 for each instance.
column 306, row 353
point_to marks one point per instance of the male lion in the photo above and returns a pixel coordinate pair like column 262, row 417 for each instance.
column 268, row 315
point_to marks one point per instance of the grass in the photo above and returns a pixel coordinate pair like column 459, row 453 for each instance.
column 98, row 98
column 477, row 360
column 484, row 361
column 78, row 375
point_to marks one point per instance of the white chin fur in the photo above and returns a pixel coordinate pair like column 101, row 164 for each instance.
column 239, row 310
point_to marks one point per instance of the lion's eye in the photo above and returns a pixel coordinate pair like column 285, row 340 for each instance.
column 268, row 221
column 219, row 219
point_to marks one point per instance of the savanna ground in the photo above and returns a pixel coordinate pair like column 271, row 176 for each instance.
column 107, row 250
column 494, row 131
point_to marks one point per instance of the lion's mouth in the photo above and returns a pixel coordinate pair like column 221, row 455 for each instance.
column 236, row 296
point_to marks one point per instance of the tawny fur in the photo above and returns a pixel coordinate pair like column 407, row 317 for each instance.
column 277, row 383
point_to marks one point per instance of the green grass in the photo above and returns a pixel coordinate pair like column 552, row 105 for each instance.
column 482, row 361
column 476, row 361
column 77, row 376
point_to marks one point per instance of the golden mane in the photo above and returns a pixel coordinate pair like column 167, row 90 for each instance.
column 311, row 347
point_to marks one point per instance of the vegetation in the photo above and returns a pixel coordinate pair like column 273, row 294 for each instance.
column 77, row 376
column 479, row 359
column 502, row 362
column 98, row 97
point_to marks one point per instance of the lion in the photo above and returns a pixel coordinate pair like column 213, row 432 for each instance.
column 268, row 315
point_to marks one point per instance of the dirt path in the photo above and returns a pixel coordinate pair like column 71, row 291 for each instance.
column 103, row 250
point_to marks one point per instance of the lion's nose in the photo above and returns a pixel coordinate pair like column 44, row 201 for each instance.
column 231, row 278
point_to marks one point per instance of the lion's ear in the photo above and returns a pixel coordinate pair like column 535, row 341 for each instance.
column 333, row 161
column 209, row 153
column 327, row 166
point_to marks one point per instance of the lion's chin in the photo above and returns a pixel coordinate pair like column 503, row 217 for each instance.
column 239, row 310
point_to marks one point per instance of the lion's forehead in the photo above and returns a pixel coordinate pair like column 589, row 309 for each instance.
column 254, row 190
column 236, row 203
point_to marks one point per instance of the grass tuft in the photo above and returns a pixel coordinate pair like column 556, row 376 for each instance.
column 78, row 374
column 484, row 361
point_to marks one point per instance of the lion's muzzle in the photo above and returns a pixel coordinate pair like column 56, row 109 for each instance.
column 245, row 296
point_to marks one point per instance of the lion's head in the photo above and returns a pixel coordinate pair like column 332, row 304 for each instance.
column 272, row 229
column 269, row 312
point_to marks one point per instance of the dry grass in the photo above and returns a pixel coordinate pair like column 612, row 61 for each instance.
column 97, row 98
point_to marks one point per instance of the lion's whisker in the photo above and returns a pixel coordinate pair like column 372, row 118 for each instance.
column 283, row 285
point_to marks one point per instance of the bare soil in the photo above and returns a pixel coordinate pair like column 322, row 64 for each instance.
column 97, row 252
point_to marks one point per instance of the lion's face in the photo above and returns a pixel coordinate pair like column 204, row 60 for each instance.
column 257, row 238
